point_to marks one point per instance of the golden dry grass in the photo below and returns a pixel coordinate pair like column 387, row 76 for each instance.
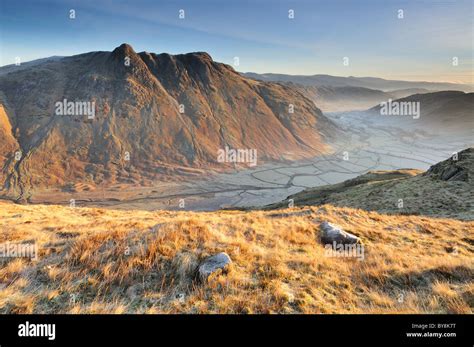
column 108, row 261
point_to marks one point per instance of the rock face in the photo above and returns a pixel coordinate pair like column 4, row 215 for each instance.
column 331, row 234
column 156, row 116
column 8, row 143
column 213, row 265
column 454, row 169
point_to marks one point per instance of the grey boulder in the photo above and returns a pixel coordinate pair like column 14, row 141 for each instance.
column 331, row 233
column 213, row 265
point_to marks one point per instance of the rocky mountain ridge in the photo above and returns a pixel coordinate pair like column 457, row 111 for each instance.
column 155, row 116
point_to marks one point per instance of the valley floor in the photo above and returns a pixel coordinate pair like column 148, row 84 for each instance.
column 92, row 260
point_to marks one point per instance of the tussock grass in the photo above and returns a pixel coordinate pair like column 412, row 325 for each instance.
column 107, row 261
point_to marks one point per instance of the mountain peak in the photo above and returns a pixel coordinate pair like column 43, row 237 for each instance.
column 138, row 105
column 202, row 55
column 123, row 50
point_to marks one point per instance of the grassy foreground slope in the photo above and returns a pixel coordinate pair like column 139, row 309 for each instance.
column 108, row 261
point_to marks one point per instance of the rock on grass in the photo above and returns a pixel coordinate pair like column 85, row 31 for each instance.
column 331, row 233
column 213, row 265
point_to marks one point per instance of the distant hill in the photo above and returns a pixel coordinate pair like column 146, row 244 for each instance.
column 338, row 94
column 339, row 99
column 365, row 82
column 445, row 190
column 8, row 143
column 402, row 93
column 446, row 111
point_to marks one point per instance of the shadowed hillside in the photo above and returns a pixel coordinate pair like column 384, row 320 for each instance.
column 445, row 112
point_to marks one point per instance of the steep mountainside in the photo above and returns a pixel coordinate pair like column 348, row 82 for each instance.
column 443, row 111
column 8, row 143
column 159, row 115
column 445, row 190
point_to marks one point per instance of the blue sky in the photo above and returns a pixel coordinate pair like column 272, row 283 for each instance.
column 420, row 46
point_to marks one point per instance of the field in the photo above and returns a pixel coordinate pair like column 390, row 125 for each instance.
column 93, row 260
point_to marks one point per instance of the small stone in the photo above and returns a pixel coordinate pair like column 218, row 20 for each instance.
column 181, row 297
column 216, row 263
